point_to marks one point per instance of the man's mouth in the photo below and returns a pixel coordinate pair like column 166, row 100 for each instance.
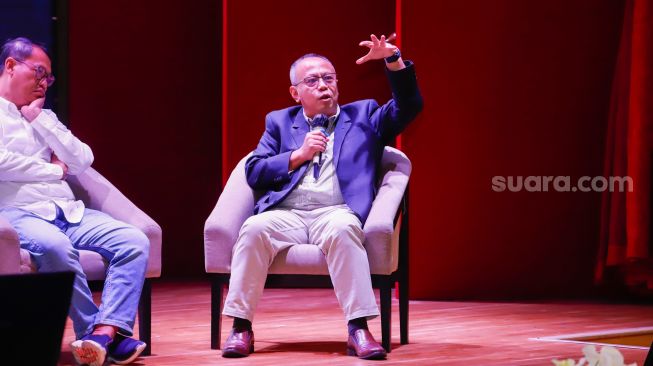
column 325, row 97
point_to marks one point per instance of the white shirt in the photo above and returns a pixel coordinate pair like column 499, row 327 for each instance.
column 27, row 178
column 311, row 194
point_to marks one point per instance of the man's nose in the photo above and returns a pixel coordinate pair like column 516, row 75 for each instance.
column 321, row 84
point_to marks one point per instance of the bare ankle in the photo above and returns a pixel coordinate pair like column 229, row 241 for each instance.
column 103, row 329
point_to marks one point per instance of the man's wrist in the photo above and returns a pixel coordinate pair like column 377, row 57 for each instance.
column 31, row 114
column 394, row 58
column 296, row 159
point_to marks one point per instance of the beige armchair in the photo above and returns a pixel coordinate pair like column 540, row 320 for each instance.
column 99, row 194
column 386, row 244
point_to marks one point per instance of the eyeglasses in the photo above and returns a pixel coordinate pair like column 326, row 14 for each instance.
column 40, row 73
column 313, row 80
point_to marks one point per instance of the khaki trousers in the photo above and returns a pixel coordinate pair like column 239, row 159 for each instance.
column 337, row 232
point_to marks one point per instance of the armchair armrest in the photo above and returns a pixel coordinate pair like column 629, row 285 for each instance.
column 235, row 205
column 9, row 248
column 99, row 194
column 381, row 241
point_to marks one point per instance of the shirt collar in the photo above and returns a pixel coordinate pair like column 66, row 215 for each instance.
column 332, row 119
column 9, row 108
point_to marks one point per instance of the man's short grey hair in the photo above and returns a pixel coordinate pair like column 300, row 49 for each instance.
column 18, row 48
column 293, row 77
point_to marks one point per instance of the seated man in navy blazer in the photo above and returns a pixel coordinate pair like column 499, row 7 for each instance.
column 316, row 165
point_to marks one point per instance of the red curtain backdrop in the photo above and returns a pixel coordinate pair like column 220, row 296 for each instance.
column 261, row 40
column 511, row 88
column 626, row 216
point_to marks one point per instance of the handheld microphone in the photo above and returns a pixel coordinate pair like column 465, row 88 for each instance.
column 319, row 123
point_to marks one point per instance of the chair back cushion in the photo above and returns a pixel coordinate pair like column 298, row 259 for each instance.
column 99, row 194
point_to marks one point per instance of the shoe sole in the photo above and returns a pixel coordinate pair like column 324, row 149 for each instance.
column 230, row 353
column 88, row 352
column 139, row 349
column 371, row 356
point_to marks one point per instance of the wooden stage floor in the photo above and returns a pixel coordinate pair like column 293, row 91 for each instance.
column 306, row 327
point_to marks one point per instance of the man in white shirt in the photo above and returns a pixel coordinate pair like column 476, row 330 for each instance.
column 37, row 152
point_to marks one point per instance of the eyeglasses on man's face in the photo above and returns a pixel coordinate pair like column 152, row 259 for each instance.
column 40, row 72
column 313, row 80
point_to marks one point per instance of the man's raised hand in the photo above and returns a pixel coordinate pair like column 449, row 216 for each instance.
column 378, row 48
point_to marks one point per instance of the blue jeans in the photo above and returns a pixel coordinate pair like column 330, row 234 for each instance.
column 54, row 247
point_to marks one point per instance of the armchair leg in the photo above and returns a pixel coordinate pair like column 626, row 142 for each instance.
column 145, row 316
column 386, row 314
column 403, row 311
column 403, row 271
column 216, row 310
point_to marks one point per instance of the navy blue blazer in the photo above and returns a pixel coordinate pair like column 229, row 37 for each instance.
column 362, row 130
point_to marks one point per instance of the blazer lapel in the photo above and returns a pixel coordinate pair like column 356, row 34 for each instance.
column 299, row 129
column 342, row 127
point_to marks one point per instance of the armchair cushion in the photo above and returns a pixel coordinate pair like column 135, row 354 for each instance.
column 97, row 193
column 236, row 204
column 9, row 248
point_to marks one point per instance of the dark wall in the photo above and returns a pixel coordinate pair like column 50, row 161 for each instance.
column 144, row 94
column 35, row 20
column 512, row 88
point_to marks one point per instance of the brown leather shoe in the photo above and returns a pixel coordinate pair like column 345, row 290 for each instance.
column 363, row 345
column 239, row 344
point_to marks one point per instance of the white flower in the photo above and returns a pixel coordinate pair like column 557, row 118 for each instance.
column 567, row 362
column 591, row 355
column 609, row 356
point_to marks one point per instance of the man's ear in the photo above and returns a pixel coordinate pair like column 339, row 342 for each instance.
column 294, row 94
column 10, row 63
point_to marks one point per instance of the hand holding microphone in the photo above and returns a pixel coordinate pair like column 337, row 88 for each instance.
column 315, row 142
column 319, row 123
